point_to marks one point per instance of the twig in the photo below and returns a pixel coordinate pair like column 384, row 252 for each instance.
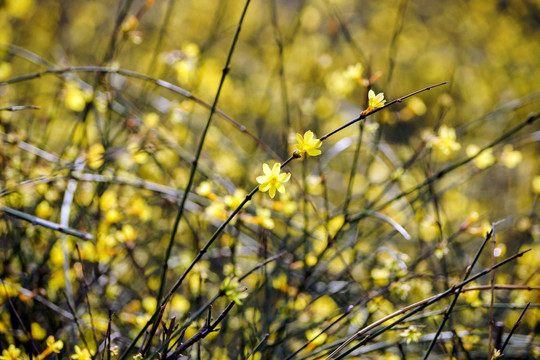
column 363, row 116
column 64, row 222
column 492, row 300
column 259, row 345
column 201, row 334
column 516, row 324
column 19, row 107
column 46, row 223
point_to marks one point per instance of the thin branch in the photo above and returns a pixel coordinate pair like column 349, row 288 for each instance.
column 363, row 116
column 201, row 334
column 516, row 324
column 19, row 107
column 259, row 345
column 34, row 220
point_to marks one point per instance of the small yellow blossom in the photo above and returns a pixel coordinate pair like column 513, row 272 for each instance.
column 130, row 24
column 95, row 155
column 12, row 353
column 354, row 72
column 81, row 354
column 37, row 331
column 264, row 218
column 233, row 201
column 412, row 334
column 316, row 336
column 482, row 160
column 217, row 210
column 74, row 97
column 308, row 144
column 375, row 101
column 273, row 180
column 44, row 209
column 232, row 289
column 445, row 141
column 53, row 346
column 206, row 189
column 510, row 157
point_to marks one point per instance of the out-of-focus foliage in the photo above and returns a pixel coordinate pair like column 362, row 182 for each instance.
column 388, row 215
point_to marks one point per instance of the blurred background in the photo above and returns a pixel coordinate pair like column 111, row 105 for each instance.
column 389, row 214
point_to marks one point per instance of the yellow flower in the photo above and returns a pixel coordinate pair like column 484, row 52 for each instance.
column 375, row 101
column 445, row 141
column 496, row 354
column 309, row 144
column 272, row 180
column 12, row 353
column 482, row 159
column 412, row 334
column 81, row 354
column 53, row 346
column 510, row 157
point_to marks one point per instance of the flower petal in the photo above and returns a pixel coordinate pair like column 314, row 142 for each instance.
column 272, row 191
column 299, row 139
column 262, row 179
column 266, row 169
column 283, row 178
column 275, row 169
column 264, row 187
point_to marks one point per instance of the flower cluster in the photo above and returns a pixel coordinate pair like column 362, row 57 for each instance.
column 273, row 179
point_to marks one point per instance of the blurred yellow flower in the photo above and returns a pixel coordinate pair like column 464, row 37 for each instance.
column 205, row 189
column 316, row 336
column 95, row 155
column 445, row 141
column 81, row 354
column 52, row 346
column 375, row 101
column 74, row 97
column 354, row 72
column 233, row 290
column 19, row 8
column 5, row 70
column 484, row 159
column 536, row 184
column 308, row 144
column 217, row 210
column 233, row 201
column 44, row 210
column 411, row 334
column 510, row 157
column 264, row 218
column 273, row 180
column 12, row 353
column 37, row 331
